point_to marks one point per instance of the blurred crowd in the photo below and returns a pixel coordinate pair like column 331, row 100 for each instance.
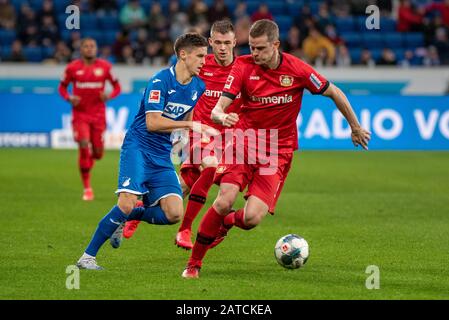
column 145, row 34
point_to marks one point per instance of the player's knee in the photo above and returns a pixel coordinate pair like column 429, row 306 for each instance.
column 83, row 143
column 223, row 204
column 254, row 217
column 126, row 203
column 173, row 211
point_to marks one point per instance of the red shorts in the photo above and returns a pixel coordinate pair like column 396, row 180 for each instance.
column 90, row 130
column 191, row 168
column 267, row 186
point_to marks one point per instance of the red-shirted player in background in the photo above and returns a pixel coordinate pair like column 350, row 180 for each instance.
column 196, row 178
column 271, row 84
column 88, row 76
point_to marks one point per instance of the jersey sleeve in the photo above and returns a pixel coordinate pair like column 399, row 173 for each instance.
column 155, row 95
column 312, row 80
column 67, row 78
column 235, row 80
column 114, row 81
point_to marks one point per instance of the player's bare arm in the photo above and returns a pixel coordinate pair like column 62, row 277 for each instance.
column 359, row 135
column 74, row 100
column 219, row 115
column 156, row 122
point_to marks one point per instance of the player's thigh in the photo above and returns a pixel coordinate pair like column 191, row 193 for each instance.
column 81, row 131
column 162, row 184
column 132, row 177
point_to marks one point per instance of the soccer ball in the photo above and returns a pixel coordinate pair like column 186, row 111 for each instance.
column 291, row 251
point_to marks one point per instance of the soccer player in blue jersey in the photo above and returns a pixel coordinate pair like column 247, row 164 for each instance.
column 145, row 164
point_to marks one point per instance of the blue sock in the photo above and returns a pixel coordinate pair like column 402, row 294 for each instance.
column 105, row 229
column 153, row 215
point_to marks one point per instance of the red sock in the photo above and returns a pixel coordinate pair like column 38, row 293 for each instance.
column 197, row 197
column 207, row 232
column 85, row 162
column 237, row 219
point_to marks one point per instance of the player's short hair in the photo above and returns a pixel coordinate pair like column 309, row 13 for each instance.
column 189, row 41
column 84, row 40
column 222, row 26
column 265, row 27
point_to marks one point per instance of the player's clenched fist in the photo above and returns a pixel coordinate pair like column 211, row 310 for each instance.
column 74, row 100
column 230, row 119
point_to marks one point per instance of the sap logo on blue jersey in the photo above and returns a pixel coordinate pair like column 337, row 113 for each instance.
column 174, row 110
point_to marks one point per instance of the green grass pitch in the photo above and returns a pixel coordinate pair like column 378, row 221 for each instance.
column 356, row 209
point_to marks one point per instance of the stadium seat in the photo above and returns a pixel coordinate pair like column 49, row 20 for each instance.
column 33, row 54
column 7, row 37
column 252, row 6
column 376, row 53
column 355, row 55
column 108, row 22
column 276, row 7
column 352, row 39
column 393, row 40
column 88, row 21
column 373, row 40
column 387, row 24
column 344, row 24
column 294, row 8
column 413, row 40
column 284, row 22
column 48, row 52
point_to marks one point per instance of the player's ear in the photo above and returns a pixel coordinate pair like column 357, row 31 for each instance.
column 182, row 54
column 210, row 41
column 276, row 44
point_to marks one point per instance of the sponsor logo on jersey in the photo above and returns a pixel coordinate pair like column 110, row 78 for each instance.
column 157, row 80
column 316, row 82
column 171, row 91
column 213, row 93
column 273, row 99
column 194, row 95
column 154, row 96
column 89, row 85
column 254, row 78
column 209, row 74
column 173, row 110
column 98, row 72
column 286, row 81
column 79, row 72
column 126, row 182
column 229, row 82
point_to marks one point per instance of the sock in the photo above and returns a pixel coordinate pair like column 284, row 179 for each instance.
column 85, row 162
column 237, row 219
column 207, row 232
column 197, row 198
column 152, row 215
column 105, row 229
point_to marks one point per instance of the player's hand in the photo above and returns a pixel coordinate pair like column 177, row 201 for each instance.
column 361, row 137
column 74, row 100
column 104, row 96
column 230, row 119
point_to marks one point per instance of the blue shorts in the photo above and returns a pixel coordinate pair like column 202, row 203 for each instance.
column 151, row 176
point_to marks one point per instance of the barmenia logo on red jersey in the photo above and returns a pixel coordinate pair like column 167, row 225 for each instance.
column 273, row 99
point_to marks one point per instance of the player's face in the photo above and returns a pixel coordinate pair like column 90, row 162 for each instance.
column 262, row 50
column 223, row 46
column 195, row 59
column 89, row 49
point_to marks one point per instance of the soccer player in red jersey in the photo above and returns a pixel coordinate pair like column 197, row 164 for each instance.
column 271, row 84
column 88, row 76
column 197, row 178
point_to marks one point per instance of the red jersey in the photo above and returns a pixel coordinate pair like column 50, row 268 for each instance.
column 88, row 83
column 214, row 76
column 271, row 98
